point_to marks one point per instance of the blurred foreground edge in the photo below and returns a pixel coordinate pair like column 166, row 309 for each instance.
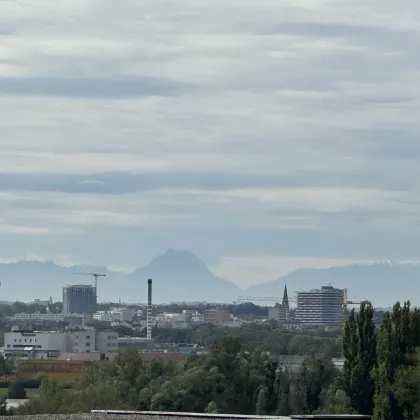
column 230, row 416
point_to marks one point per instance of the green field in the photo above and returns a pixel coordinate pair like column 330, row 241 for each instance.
column 30, row 392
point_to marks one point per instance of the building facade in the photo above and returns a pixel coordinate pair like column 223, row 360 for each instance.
column 49, row 345
column 320, row 306
column 117, row 314
column 79, row 299
column 278, row 313
column 48, row 317
column 217, row 316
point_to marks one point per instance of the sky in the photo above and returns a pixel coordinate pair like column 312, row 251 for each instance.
column 262, row 136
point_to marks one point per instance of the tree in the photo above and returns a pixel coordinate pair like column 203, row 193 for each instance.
column 406, row 388
column 315, row 376
column 398, row 340
column 212, row 408
column 16, row 391
column 7, row 367
column 359, row 350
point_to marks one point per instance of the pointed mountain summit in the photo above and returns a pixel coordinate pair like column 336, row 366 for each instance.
column 180, row 276
column 177, row 260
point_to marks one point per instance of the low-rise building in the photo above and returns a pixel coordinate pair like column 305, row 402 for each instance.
column 217, row 316
column 278, row 313
column 139, row 343
column 115, row 314
column 47, row 317
column 49, row 345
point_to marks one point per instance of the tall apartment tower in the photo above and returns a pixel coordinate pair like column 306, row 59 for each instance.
column 79, row 299
column 320, row 306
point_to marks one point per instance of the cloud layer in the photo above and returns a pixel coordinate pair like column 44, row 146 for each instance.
column 228, row 127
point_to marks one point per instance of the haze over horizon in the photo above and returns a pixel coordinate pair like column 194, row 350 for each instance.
column 262, row 137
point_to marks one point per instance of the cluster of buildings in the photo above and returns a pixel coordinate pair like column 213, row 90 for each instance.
column 314, row 307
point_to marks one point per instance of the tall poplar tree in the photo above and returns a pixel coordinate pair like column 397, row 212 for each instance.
column 359, row 351
column 398, row 339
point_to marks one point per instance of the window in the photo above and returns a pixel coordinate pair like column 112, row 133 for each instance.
column 87, row 344
column 87, row 337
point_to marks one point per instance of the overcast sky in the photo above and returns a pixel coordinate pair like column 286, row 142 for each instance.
column 262, row 135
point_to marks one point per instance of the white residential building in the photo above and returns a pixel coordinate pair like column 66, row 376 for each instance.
column 320, row 306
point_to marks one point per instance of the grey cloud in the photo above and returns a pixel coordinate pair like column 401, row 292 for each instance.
column 126, row 182
column 398, row 144
column 387, row 36
column 98, row 88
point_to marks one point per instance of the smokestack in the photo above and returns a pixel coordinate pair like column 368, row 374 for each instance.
column 149, row 309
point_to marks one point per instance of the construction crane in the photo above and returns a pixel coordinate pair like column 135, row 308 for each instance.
column 347, row 302
column 95, row 276
column 275, row 299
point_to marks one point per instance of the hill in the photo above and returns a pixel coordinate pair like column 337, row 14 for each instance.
column 28, row 280
column 381, row 283
column 178, row 276
column 181, row 276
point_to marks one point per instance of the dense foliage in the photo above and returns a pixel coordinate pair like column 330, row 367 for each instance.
column 268, row 336
column 232, row 378
column 381, row 374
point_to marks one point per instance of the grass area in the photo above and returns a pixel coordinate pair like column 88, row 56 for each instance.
column 30, row 392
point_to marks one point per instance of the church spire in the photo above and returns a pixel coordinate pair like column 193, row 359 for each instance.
column 285, row 302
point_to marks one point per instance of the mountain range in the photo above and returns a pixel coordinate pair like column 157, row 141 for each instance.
column 180, row 276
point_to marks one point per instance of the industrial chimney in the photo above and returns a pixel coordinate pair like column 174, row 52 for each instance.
column 149, row 309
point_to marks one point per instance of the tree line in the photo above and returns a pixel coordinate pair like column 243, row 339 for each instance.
column 232, row 378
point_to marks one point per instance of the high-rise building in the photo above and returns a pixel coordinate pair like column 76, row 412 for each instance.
column 320, row 306
column 79, row 299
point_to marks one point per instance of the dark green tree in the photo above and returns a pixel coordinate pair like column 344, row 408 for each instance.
column 398, row 340
column 16, row 391
column 359, row 350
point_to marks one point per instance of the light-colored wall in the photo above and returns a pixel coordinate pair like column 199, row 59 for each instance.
column 46, row 341
column 107, row 342
column 83, row 341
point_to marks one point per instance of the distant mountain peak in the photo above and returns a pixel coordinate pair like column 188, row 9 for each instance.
column 177, row 259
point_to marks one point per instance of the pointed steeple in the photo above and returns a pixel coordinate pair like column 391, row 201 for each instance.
column 285, row 302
